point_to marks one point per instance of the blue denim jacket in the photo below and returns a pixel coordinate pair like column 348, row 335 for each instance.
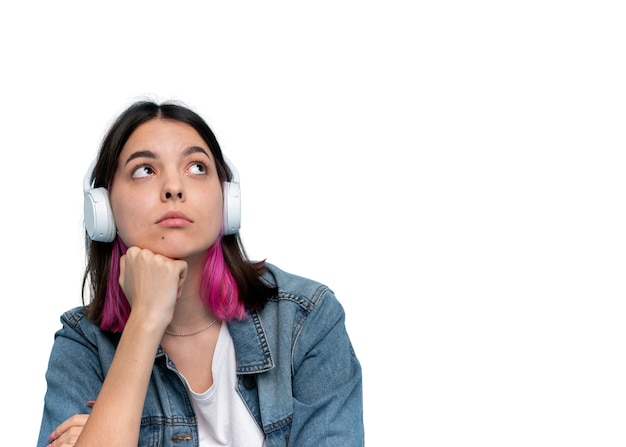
column 297, row 373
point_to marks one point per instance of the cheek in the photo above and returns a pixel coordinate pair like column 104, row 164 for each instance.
column 127, row 215
column 210, row 207
column 214, row 212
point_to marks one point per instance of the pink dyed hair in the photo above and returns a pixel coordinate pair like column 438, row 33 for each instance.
column 218, row 289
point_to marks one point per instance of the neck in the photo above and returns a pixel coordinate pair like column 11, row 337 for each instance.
column 190, row 312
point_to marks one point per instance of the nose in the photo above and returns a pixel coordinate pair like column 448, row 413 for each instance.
column 169, row 195
column 173, row 189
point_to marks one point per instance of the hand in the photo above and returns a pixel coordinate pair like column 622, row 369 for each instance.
column 152, row 282
column 66, row 434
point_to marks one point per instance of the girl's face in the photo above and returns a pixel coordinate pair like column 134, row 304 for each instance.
column 166, row 195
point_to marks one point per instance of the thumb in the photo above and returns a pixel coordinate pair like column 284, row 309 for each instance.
column 181, row 278
column 122, row 270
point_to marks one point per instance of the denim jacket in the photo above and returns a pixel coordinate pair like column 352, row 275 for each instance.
column 297, row 373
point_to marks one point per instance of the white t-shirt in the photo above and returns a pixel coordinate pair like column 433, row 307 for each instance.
column 223, row 418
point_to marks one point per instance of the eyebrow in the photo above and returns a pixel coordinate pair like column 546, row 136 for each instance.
column 194, row 150
column 140, row 154
column 149, row 154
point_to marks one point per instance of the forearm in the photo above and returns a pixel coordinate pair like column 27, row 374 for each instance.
column 116, row 415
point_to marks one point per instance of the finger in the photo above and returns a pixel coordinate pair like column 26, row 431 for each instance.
column 68, row 429
column 72, row 421
column 182, row 265
column 122, row 269
column 69, row 438
column 182, row 275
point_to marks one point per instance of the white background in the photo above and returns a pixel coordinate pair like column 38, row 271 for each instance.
column 453, row 170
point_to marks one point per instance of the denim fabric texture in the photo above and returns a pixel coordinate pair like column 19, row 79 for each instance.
column 297, row 373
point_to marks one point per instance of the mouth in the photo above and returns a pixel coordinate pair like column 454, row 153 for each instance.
column 174, row 219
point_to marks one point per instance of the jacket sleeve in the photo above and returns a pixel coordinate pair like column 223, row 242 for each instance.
column 327, row 381
column 74, row 377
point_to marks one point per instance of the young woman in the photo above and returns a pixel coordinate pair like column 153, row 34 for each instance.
column 183, row 341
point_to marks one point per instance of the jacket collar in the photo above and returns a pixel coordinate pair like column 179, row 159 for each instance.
column 251, row 345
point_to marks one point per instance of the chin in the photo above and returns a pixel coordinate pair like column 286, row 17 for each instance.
column 180, row 249
column 172, row 251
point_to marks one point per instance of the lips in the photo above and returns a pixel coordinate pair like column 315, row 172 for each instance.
column 174, row 219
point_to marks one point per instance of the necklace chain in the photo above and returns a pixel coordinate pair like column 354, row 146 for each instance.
column 192, row 333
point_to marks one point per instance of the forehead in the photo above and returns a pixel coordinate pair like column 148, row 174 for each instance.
column 163, row 134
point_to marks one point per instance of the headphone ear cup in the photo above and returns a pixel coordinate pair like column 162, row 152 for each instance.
column 99, row 221
column 232, row 208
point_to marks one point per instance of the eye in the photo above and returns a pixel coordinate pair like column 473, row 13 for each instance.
column 198, row 168
column 142, row 171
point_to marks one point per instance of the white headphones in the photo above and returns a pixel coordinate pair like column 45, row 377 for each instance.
column 100, row 224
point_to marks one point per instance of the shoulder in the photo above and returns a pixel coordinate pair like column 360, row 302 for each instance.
column 78, row 327
column 292, row 288
column 74, row 317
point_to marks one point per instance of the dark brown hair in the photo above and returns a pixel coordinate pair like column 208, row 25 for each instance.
column 252, row 291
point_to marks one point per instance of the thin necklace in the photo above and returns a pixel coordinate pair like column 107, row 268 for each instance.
column 192, row 333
